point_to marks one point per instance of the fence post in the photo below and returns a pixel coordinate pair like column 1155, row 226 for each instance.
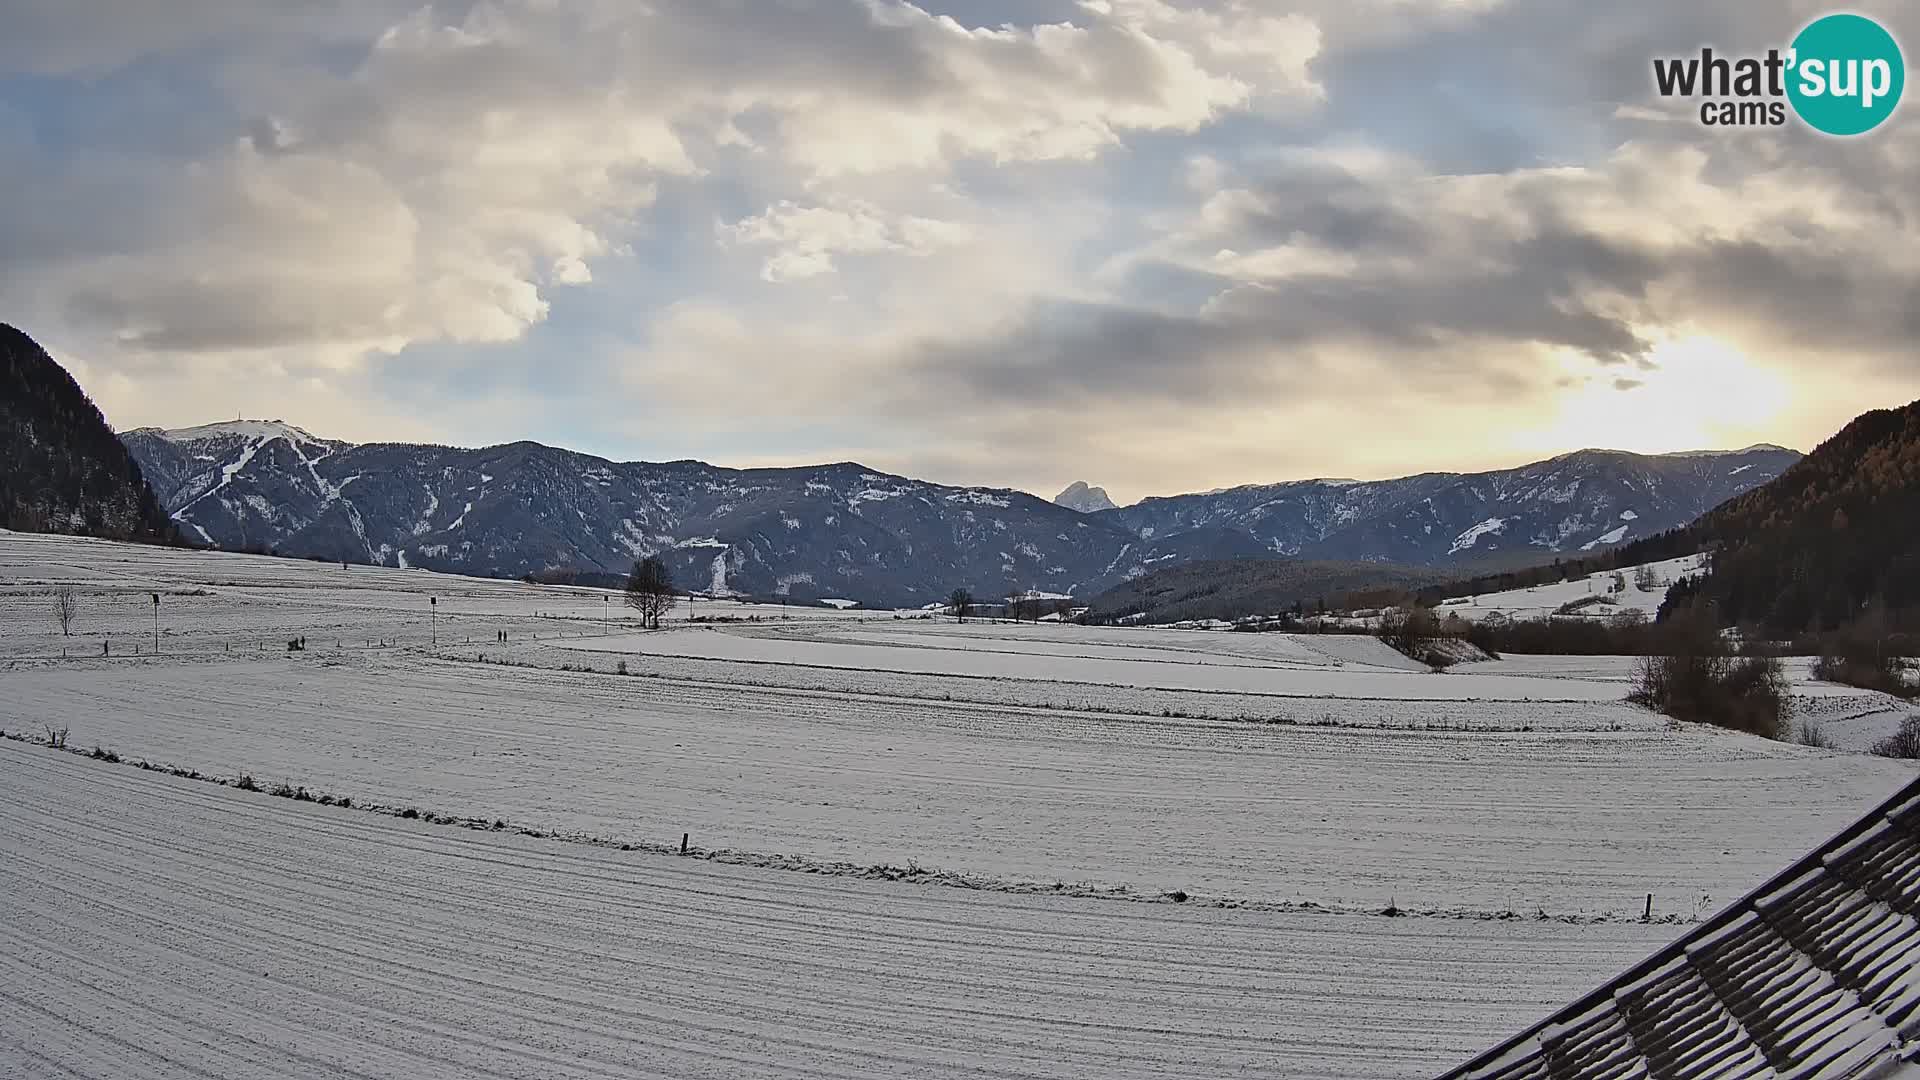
column 1648, row 917
column 683, row 843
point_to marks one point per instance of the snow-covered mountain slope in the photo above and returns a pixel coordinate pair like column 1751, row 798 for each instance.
column 1576, row 502
column 841, row 530
column 1596, row 596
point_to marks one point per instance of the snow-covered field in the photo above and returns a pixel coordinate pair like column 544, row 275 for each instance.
column 1037, row 794
column 1577, row 823
column 220, row 602
column 1054, row 653
column 161, row 928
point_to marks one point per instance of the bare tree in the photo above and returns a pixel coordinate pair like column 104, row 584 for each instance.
column 650, row 590
column 1645, row 579
column 1411, row 632
column 1904, row 743
column 959, row 602
column 1016, row 604
column 65, row 602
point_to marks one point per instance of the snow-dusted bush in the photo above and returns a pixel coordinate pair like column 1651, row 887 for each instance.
column 1812, row 734
column 1904, row 743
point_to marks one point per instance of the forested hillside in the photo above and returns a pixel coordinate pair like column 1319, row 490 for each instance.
column 1236, row 588
column 1834, row 540
column 62, row 469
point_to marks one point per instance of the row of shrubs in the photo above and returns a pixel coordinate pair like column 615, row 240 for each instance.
column 1742, row 693
column 1869, row 661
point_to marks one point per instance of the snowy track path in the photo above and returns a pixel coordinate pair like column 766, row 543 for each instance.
column 162, row 928
column 1057, row 662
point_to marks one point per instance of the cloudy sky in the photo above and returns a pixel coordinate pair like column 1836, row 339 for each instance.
column 1159, row 245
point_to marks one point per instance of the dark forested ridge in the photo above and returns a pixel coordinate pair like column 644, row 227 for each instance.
column 1237, row 588
column 62, row 469
column 1834, row 540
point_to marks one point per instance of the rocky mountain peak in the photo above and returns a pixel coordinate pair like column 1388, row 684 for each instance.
column 1087, row 500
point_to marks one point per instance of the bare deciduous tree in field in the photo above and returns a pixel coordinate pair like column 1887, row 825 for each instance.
column 65, row 603
column 650, row 590
column 958, row 602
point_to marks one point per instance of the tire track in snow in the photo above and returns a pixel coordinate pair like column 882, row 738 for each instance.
column 411, row 950
column 1346, row 818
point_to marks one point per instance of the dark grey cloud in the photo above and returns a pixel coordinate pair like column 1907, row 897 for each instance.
column 1794, row 242
column 91, row 37
column 1319, row 199
column 1528, row 83
column 1842, row 302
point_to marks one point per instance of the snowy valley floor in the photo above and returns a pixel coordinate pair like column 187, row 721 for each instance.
column 1045, row 792
column 160, row 927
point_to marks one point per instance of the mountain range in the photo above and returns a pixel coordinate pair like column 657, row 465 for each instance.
column 844, row 531
column 1577, row 502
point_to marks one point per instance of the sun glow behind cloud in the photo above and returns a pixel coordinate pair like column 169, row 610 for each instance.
column 1695, row 391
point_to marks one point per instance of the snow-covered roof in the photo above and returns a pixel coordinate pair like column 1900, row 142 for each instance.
column 1814, row 975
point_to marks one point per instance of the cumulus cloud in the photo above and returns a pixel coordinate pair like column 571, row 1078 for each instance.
column 805, row 239
column 1234, row 224
column 478, row 156
column 1468, row 306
